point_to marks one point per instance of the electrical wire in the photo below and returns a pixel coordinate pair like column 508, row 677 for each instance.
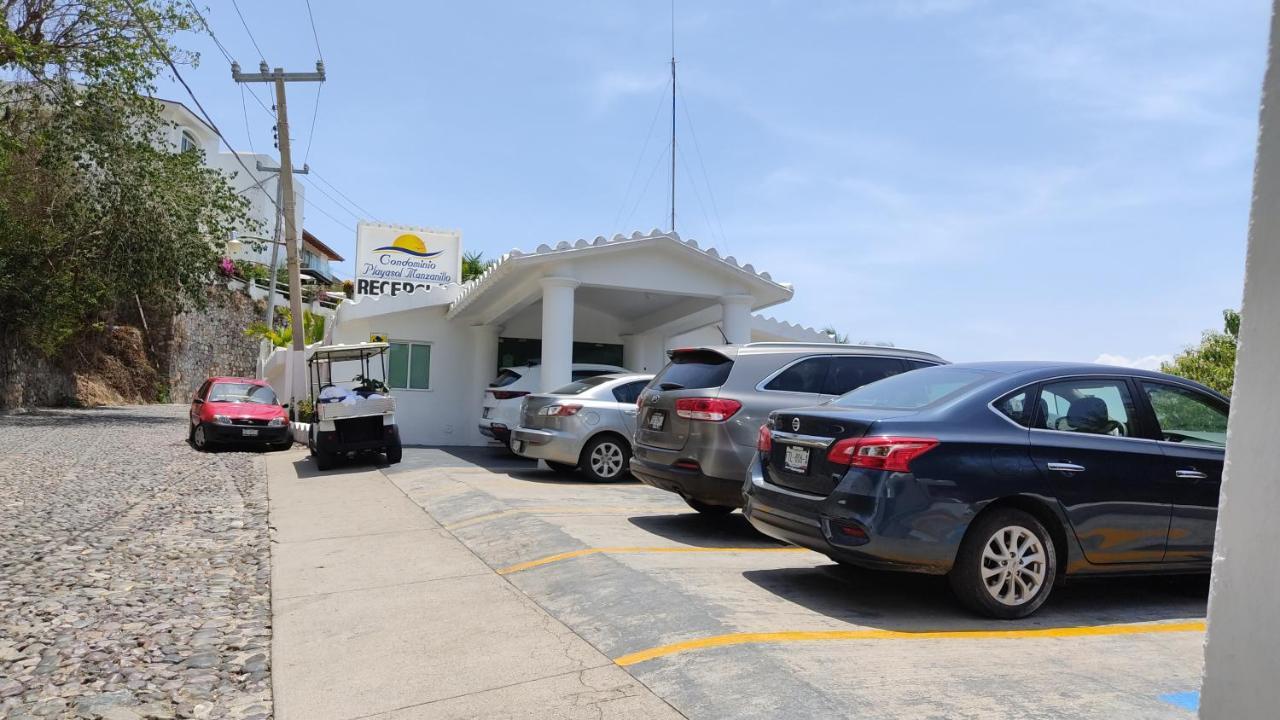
column 343, row 224
column 333, row 200
column 261, row 55
column 648, row 182
column 635, row 172
column 684, row 104
column 314, row 34
column 354, row 204
column 311, row 134
column 164, row 53
column 208, row 29
column 244, row 107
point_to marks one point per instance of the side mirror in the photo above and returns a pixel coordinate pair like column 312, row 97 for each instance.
column 198, row 400
column 285, row 406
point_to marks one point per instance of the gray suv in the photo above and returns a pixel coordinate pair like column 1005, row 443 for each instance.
column 700, row 417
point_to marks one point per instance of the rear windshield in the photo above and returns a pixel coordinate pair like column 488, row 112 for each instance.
column 913, row 390
column 580, row 386
column 696, row 369
column 505, row 378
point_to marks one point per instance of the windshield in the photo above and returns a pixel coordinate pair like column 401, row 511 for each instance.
column 242, row 392
column 505, row 378
column 580, row 386
column 914, row 390
column 694, row 369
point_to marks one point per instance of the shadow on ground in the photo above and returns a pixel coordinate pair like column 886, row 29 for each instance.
column 911, row 602
column 90, row 416
column 698, row 530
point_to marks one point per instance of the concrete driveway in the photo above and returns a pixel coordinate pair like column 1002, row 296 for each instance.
column 680, row 614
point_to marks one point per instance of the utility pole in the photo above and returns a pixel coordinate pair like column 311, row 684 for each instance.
column 275, row 240
column 673, row 137
column 279, row 77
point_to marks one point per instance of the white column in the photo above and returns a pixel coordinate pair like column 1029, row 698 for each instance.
column 736, row 322
column 1244, row 627
column 633, row 352
column 484, row 339
column 557, row 331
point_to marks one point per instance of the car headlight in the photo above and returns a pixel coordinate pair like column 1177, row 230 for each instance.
column 276, row 422
column 222, row 419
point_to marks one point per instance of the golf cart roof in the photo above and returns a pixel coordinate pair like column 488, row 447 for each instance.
column 354, row 351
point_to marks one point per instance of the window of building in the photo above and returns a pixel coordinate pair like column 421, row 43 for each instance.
column 188, row 141
column 409, row 366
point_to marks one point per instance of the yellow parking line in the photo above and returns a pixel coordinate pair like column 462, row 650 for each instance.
column 563, row 510
column 631, row 550
column 803, row 636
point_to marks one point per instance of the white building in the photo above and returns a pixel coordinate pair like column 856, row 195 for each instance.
column 188, row 131
column 629, row 299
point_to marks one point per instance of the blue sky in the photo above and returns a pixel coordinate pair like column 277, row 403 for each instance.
column 1060, row 180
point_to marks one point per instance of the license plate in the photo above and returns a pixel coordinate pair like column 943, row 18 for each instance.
column 796, row 459
column 250, row 432
column 657, row 420
column 517, row 445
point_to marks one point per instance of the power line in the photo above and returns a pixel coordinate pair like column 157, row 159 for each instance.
column 209, row 30
column 244, row 107
column 354, row 204
column 322, row 211
column 314, row 34
column 261, row 55
column 335, row 201
column 311, row 134
column 164, row 53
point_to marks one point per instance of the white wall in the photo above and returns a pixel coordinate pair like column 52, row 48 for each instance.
column 1242, row 648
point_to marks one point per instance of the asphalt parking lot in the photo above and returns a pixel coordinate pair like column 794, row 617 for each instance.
column 719, row 621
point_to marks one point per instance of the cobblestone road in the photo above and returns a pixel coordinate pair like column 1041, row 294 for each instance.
column 134, row 571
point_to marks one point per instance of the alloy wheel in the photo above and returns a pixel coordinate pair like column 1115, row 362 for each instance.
column 1013, row 565
column 606, row 460
column 198, row 438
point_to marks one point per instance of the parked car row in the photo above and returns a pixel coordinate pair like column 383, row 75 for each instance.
column 1005, row 477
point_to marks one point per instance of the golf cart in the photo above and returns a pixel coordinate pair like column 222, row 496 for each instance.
column 352, row 415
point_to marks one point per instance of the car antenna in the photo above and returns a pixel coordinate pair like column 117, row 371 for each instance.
column 726, row 337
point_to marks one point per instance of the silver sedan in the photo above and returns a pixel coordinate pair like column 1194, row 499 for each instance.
column 586, row 425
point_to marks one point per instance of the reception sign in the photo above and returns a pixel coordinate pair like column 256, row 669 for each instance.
column 397, row 259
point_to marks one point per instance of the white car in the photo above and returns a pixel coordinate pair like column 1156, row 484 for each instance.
column 501, row 413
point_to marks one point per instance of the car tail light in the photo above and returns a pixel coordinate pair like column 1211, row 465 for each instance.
column 560, row 410
column 508, row 394
column 710, row 409
column 880, row 453
column 764, row 441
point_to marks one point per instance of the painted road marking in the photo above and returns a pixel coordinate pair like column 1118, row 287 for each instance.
column 563, row 510
column 634, row 550
column 807, row 636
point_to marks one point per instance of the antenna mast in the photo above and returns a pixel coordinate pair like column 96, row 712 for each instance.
column 673, row 116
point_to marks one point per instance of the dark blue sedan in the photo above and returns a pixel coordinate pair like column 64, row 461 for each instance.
column 1001, row 475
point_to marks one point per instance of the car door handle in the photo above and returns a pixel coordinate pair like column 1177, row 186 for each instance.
column 1066, row 467
column 1191, row 475
column 630, row 411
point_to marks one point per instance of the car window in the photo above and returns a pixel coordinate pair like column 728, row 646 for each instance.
column 914, row 390
column 1097, row 406
column 242, row 392
column 1016, row 408
column 850, row 373
column 694, row 369
column 1186, row 416
column 805, row 376
column 505, row 378
column 204, row 389
column 628, row 393
column 917, row 364
column 584, row 374
column 577, row 387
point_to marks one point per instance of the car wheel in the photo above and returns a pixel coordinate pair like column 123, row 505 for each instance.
column 199, row 439
column 1006, row 566
column 605, row 458
column 394, row 453
column 561, row 467
column 708, row 508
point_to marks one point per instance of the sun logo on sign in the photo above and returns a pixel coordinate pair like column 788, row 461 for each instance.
column 409, row 244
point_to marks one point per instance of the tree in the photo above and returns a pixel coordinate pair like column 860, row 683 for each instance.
column 1213, row 361
column 97, row 216
column 312, row 331
column 474, row 265
column 835, row 335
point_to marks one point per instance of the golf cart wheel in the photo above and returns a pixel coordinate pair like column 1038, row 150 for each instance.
column 708, row 509
column 561, row 467
column 1006, row 565
column 394, row 453
column 324, row 460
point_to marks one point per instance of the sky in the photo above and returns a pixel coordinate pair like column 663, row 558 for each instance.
column 1061, row 180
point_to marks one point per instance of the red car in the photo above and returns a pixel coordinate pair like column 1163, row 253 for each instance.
column 238, row 411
